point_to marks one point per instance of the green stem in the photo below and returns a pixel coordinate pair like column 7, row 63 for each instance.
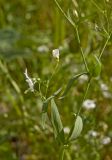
column 82, row 53
column 47, row 87
column 62, row 154
column 85, row 94
column 103, row 27
column 63, row 12
column 105, row 45
column 77, row 33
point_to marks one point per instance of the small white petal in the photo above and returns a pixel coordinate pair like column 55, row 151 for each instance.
column 89, row 104
column 29, row 81
column 66, row 130
column 106, row 140
column 43, row 48
column 55, row 53
column 93, row 133
column 104, row 87
column 106, row 94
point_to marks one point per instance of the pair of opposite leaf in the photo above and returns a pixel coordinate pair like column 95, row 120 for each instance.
column 58, row 126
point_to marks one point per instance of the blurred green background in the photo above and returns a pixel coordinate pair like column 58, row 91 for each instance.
column 29, row 30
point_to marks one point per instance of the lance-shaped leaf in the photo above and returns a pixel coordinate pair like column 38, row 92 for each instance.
column 44, row 111
column 43, row 119
column 70, row 84
column 56, row 122
column 45, row 107
column 76, row 129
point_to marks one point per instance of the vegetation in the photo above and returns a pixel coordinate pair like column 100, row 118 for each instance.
column 55, row 80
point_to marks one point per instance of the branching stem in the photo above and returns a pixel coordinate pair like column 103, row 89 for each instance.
column 105, row 45
column 77, row 33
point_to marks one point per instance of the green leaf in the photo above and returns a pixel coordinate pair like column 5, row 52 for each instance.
column 94, row 66
column 70, row 84
column 44, row 114
column 56, row 122
column 76, row 129
column 45, row 107
column 43, row 119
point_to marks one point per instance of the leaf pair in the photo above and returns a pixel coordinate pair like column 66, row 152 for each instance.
column 58, row 126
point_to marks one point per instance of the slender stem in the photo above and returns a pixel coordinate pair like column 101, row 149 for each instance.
column 62, row 154
column 56, row 67
column 105, row 45
column 70, row 83
column 103, row 27
column 40, row 92
column 47, row 87
column 63, row 13
column 82, row 53
column 77, row 33
column 85, row 94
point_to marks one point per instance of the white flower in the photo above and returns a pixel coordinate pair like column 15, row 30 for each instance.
column 66, row 130
column 29, row 81
column 43, row 48
column 56, row 53
column 104, row 87
column 107, row 94
column 89, row 104
column 106, row 140
column 105, row 90
column 93, row 133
